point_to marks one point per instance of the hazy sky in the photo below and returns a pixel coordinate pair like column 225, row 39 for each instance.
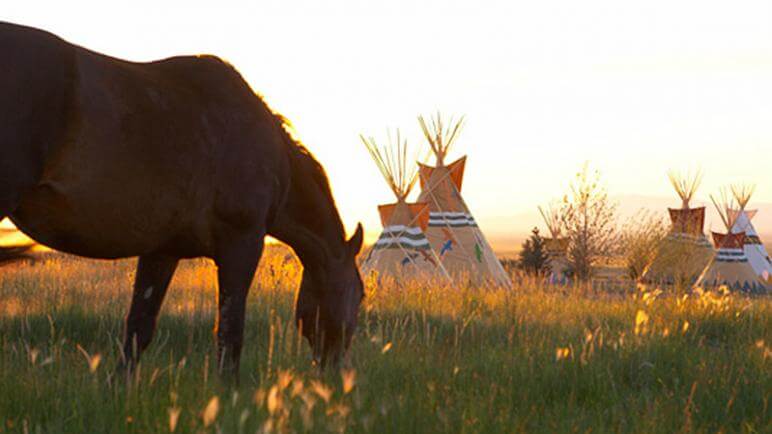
column 636, row 89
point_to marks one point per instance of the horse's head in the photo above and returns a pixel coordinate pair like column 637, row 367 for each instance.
column 328, row 303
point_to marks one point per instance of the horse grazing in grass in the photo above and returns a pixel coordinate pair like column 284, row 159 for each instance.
column 172, row 159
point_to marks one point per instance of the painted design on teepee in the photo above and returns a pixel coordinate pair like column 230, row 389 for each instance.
column 685, row 251
column 730, row 266
column 402, row 250
column 557, row 245
column 410, row 258
column 447, row 245
column 429, row 256
column 452, row 230
column 752, row 246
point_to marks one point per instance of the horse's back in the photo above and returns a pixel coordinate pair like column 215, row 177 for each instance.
column 151, row 153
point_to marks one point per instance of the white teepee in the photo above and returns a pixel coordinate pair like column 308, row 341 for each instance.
column 730, row 266
column 452, row 230
column 402, row 251
column 752, row 246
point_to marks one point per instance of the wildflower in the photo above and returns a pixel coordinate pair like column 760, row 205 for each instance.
column 33, row 355
column 641, row 322
column 174, row 416
column 211, row 410
column 259, row 397
column 274, row 400
column 323, row 391
column 285, row 377
column 340, row 409
column 765, row 351
column 93, row 361
column 562, row 353
column 297, row 388
column 243, row 418
column 349, row 379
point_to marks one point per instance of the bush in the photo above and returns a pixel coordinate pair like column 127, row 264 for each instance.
column 533, row 256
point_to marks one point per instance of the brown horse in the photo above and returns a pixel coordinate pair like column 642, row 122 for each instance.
column 167, row 160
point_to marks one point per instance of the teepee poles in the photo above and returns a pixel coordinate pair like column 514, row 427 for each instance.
column 726, row 202
column 685, row 185
column 394, row 163
column 440, row 135
column 742, row 194
column 551, row 217
column 738, row 195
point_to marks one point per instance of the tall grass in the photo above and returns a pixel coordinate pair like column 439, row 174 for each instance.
column 427, row 358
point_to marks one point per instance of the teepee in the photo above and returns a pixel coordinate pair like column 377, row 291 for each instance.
column 452, row 230
column 686, row 250
column 402, row 251
column 752, row 245
column 557, row 246
column 730, row 266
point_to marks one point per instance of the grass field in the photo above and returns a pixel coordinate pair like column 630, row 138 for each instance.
column 425, row 359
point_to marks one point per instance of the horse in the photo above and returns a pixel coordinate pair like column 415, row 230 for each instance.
column 167, row 160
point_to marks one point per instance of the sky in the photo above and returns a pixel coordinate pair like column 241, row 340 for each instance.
column 634, row 88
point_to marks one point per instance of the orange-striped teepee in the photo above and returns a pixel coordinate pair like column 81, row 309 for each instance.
column 452, row 230
column 402, row 251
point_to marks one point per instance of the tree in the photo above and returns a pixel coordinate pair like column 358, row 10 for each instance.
column 589, row 222
column 640, row 240
column 533, row 256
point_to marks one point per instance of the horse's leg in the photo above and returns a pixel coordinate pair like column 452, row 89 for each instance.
column 236, row 266
column 154, row 272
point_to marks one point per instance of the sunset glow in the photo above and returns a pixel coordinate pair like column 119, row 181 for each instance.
column 633, row 89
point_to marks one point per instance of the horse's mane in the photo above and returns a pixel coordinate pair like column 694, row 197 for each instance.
column 316, row 171
column 311, row 167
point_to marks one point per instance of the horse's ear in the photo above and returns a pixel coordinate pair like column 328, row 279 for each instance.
column 355, row 243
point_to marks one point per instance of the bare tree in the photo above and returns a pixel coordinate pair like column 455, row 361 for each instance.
column 589, row 222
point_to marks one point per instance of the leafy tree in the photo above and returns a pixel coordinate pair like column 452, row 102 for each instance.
column 589, row 222
column 533, row 255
